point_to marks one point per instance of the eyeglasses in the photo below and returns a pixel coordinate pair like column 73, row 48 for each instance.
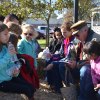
column 30, row 34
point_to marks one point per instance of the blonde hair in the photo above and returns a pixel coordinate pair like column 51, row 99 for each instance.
column 29, row 27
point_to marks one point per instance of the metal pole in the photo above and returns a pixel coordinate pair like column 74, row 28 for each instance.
column 75, row 10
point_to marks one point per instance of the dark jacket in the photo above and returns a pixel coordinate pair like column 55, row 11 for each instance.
column 55, row 45
column 92, row 35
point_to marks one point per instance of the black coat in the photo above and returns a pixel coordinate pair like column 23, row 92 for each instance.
column 55, row 45
column 92, row 36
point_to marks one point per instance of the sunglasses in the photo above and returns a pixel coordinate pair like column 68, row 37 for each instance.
column 30, row 34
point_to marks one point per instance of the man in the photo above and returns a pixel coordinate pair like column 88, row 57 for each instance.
column 85, row 34
column 11, row 18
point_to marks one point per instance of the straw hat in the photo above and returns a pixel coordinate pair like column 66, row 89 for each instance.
column 77, row 26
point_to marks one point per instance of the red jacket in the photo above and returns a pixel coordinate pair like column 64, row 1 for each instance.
column 28, row 70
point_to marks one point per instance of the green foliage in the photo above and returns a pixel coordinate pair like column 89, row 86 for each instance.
column 42, row 8
column 84, row 11
column 33, row 8
column 69, row 15
column 60, row 4
column 22, row 8
column 5, row 8
column 85, row 7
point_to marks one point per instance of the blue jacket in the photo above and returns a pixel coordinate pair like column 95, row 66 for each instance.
column 29, row 48
column 4, row 64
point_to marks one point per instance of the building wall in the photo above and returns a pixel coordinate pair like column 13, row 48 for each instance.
column 53, row 22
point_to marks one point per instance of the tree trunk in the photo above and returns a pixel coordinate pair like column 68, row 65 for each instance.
column 47, row 34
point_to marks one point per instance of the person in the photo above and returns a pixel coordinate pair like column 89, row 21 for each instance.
column 94, row 56
column 56, row 42
column 15, row 33
column 54, row 78
column 14, row 28
column 85, row 34
column 65, row 29
column 11, row 18
column 12, row 22
column 13, row 83
column 28, row 44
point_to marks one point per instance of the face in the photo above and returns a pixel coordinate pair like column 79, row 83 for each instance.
column 92, row 56
column 4, row 36
column 28, row 34
column 66, row 33
column 82, row 34
column 58, row 35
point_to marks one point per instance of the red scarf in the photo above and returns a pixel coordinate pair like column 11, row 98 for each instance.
column 66, row 43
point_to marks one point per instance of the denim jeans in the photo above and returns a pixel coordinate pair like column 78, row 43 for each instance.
column 74, row 73
column 62, row 70
column 98, row 94
column 86, row 86
column 53, row 77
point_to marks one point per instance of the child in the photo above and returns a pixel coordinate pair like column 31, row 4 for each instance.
column 56, row 42
column 92, row 49
column 14, row 83
column 28, row 44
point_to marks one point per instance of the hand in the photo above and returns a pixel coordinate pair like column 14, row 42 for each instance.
column 97, row 87
column 11, row 48
column 84, row 63
column 16, row 71
column 12, row 51
column 50, row 66
column 49, row 55
column 72, row 64
column 87, row 62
